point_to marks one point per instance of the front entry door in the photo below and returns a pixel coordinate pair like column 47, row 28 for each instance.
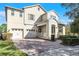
column 53, row 32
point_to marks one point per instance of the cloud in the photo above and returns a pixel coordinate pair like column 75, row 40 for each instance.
column 63, row 21
column 2, row 13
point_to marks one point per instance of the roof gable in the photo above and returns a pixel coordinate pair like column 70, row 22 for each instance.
column 35, row 6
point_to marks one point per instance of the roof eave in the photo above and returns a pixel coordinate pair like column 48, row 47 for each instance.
column 14, row 8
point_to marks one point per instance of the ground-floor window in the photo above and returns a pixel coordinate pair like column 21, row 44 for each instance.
column 30, row 30
column 17, row 29
column 60, row 29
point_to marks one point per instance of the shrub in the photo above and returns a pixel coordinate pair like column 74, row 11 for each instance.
column 70, row 40
column 6, row 35
column 7, row 48
column 67, row 36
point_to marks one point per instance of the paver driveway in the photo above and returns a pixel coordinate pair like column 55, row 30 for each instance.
column 39, row 47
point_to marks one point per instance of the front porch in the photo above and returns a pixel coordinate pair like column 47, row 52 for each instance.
column 47, row 31
column 43, row 30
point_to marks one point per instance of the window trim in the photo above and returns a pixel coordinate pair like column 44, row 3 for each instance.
column 21, row 14
column 31, row 15
column 12, row 12
column 53, row 29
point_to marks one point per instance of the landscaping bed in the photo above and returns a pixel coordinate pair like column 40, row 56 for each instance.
column 70, row 40
column 7, row 48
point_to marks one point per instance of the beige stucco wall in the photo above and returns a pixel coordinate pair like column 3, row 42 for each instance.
column 24, row 23
column 52, row 12
column 14, row 21
column 34, row 11
column 27, row 32
column 52, row 22
column 31, row 24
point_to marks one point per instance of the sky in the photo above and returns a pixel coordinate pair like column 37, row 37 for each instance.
column 47, row 6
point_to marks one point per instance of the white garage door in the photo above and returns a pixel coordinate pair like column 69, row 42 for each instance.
column 17, row 34
column 31, row 34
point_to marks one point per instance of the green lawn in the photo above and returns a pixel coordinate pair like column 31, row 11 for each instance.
column 7, row 48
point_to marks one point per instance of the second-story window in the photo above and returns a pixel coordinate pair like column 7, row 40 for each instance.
column 20, row 14
column 41, row 18
column 38, row 9
column 53, row 17
column 31, row 16
column 12, row 12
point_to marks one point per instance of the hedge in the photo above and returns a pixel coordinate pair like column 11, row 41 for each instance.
column 70, row 40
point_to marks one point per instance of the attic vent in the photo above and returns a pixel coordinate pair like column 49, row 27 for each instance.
column 38, row 9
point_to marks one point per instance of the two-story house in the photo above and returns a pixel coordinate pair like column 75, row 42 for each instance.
column 33, row 22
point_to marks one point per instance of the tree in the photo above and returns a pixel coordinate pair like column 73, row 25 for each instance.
column 73, row 13
column 72, row 9
column 75, row 25
column 3, row 28
column 67, row 29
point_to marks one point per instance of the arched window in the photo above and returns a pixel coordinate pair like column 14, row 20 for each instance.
column 53, row 29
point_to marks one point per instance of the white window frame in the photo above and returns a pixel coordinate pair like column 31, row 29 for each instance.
column 21, row 14
column 31, row 16
column 12, row 12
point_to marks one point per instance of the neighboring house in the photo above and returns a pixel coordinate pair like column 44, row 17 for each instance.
column 32, row 22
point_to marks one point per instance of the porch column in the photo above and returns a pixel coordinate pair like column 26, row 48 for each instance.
column 56, row 31
column 49, row 31
column 63, row 30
